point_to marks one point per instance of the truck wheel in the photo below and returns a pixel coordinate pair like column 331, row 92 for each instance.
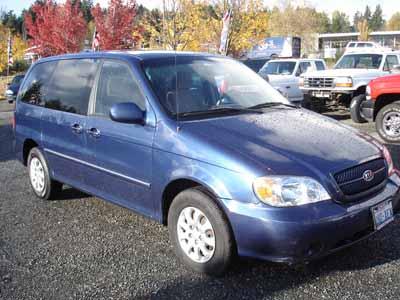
column 355, row 109
column 387, row 123
column 200, row 233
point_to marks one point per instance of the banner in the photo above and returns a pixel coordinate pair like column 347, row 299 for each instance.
column 225, row 31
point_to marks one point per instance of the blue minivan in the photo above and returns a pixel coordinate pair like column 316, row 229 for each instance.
column 205, row 146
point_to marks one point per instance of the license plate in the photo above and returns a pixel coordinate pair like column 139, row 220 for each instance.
column 321, row 94
column 382, row 214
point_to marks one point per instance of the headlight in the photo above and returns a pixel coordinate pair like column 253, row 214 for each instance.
column 9, row 93
column 343, row 82
column 283, row 191
column 301, row 81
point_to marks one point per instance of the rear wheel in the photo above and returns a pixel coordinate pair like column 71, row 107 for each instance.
column 355, row 109
column 200, row 233
column 387, row 123
column 42, row 185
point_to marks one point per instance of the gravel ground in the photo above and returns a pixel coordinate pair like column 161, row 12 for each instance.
column 80, row 247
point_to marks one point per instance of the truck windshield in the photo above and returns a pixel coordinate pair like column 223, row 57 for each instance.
column 207, row 84
column 360, row 61
column 278, row 68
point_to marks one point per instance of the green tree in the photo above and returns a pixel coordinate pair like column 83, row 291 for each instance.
column 376, row 22
column 11, row 20
column 367, row 14
column 357, row 18
column 340, row 22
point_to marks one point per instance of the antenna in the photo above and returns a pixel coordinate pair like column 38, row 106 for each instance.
column 176, row 93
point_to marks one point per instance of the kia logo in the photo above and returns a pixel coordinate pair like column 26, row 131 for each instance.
column 368, row 175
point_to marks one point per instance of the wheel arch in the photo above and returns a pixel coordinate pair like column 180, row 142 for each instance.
column 174, row 187
column 384, row 100
column 26, row 148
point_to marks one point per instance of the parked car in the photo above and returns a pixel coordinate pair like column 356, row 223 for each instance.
column 345, row 84
column 382, row 105
column 284, row 75
column 13, row 87
column 364, row 45
column 207, row 147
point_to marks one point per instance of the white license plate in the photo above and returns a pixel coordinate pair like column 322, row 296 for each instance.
column 382, row 214
column 321, row 94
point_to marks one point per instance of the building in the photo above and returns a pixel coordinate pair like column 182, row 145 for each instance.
column 330, row 44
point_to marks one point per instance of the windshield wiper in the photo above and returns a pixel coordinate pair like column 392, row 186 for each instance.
column 272, row 104
column 219, row 110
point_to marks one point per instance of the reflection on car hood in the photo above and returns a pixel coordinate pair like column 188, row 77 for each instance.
column 284, row 141
column 341, row 72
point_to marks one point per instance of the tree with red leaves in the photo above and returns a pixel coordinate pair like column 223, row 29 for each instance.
column 116, row 24
column 56, row 28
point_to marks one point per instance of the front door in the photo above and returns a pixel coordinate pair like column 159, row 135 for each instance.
column 122, row 152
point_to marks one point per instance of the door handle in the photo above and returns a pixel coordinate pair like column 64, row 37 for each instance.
column 288, row 87
column 77, row 128
column 94, row 132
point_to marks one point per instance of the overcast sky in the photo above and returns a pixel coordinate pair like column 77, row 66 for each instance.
column 347, row 6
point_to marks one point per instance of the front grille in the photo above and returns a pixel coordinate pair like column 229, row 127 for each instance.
column 355, row 187
column 318, row 82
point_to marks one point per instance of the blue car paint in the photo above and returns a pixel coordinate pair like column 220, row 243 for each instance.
column 132, row 165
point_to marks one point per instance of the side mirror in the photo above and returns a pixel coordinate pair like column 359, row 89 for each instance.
column 127, row 112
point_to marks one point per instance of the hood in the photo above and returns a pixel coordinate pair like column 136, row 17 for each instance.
column 341, row 72
column 392, row 78
column 283, row 141
column 278, row 79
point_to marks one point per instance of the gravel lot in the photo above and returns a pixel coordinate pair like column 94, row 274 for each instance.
column 80, row 247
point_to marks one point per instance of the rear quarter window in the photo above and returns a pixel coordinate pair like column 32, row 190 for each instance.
column 36, row 84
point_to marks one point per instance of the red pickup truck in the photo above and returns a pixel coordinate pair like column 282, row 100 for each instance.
column 382, row 105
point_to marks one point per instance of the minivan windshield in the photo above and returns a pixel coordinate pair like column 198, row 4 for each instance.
column 206, row 85
column 278, row 68
column 360, row 61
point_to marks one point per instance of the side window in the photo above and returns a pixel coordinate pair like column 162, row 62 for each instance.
column 319, row 65
column 71, row 85
column 391, row 60
column 36, row 85
column 117, row 85
column 351, row 45
column 303, row 66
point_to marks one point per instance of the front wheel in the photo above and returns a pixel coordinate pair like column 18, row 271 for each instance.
column 355, row 109
column 200, row 234
column 42, row 185
column 387, row 123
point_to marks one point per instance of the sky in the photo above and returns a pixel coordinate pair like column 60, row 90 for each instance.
column 347, row 6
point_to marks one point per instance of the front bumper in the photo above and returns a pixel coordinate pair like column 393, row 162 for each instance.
column 300, row 234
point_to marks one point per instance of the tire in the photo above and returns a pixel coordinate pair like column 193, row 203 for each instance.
column 385, row 115
column 39, row 177
column 215, row 260
column 355, row 109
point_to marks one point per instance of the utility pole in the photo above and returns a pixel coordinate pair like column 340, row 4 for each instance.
column 163, row 25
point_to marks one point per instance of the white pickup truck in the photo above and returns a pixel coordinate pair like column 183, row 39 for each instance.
column 346, row 82
column 284, row 75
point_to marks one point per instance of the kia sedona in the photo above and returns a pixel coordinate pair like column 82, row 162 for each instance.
column 205, row 146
